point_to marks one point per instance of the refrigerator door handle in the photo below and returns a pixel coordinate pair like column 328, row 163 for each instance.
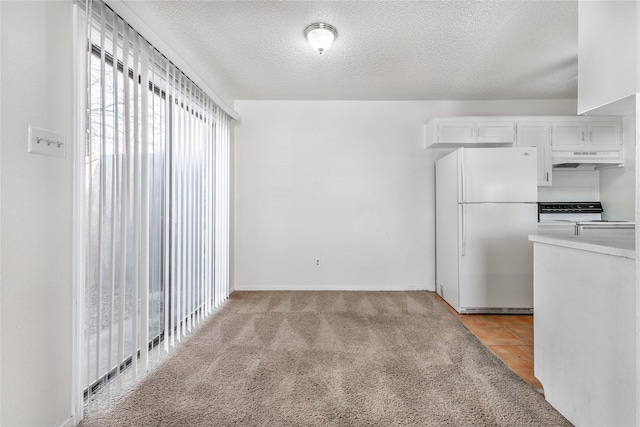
column 463, row 221
column 463, row 191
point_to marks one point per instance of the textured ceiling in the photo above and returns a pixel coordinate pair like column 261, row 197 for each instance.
column 387, row 50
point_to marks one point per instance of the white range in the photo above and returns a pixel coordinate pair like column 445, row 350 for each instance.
column 579, row 219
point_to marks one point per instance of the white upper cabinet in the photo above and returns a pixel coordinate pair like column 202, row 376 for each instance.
column 495, row 132
column 591, row 140
column 456, row 132
column 605, row 136
column 537, row 134
column 568, row 136
column 608, row 54
column 469, row 132
column 561, row 141
column 590, row 133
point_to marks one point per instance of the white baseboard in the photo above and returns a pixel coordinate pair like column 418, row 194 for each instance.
column 329, row 287
column 68, row 423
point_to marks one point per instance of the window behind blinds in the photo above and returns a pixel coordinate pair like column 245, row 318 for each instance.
column 156, row 201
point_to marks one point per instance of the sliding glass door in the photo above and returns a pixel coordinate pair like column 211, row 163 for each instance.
column 156, row 201
column 126, row 196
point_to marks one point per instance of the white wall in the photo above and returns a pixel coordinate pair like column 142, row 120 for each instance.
column 572, row 186
column 636, row 111
column 608, row 52
column 36, row 210
column 348, row 182
column 617, row 186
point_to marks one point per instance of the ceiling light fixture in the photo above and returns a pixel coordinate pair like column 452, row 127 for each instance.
column 320, row 36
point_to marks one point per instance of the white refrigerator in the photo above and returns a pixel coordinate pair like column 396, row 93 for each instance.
column 486, row 206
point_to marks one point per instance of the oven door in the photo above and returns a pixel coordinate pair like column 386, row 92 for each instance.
column 607, row 229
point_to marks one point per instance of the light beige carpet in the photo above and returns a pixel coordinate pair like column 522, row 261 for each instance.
column 331, row 359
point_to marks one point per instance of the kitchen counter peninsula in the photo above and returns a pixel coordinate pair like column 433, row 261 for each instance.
column 585, row 327
column 615, row 246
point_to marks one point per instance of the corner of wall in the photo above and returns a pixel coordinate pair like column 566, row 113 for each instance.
column 617, row 184
column 35, row 205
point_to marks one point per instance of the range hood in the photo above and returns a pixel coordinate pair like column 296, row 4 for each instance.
column 585, row 160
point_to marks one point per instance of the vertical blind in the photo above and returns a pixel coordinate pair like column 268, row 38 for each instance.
column 157, row 201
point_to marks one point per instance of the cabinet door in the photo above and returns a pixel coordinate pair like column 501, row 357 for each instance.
column 538, row 134
column 568, row 136
column 604, row 136
column 495, row 132
column 456, row 132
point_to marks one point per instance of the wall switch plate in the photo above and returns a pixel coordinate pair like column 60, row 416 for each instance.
column 316, row 263
column 46, row 142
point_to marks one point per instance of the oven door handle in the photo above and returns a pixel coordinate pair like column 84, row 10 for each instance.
column 581, row 227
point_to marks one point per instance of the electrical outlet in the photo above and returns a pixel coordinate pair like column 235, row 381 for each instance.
column 316, row 263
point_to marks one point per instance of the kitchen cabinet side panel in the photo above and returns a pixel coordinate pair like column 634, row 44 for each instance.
column 584, row 329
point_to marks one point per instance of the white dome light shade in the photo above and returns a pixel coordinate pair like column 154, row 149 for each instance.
column 320, row 36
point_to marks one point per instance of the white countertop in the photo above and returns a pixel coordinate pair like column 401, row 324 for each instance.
column 621, row 246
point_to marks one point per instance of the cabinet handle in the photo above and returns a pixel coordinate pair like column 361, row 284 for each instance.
column 590, row 137
column 547, row 179
column 582, row 135
column 620, row 141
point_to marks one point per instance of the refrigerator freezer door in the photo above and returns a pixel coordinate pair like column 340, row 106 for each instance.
column 498, row 175
column 496, row 270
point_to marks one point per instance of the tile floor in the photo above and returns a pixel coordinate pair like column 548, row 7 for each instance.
column 508, row 336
